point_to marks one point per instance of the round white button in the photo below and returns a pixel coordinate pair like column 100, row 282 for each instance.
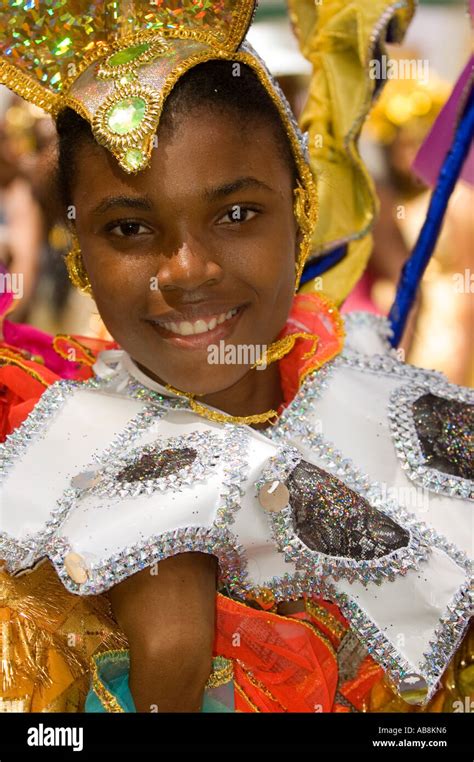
column 274, row 496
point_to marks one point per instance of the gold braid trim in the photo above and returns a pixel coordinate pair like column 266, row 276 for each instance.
column 8, row 359
column 106, row 698
column 213, row 415
column 222, row 672
column 31, row 90
column 76, row 345
column 326, row 618
column 280, row 348
column 246, row 698
column 22, row 84
column 261, row 687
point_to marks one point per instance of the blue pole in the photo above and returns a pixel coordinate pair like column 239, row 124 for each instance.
column 415, row 266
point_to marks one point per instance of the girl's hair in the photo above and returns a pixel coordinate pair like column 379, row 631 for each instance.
column 212, row 84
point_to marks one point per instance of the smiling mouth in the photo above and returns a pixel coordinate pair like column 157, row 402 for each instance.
column 196, row 327
column 199, row 332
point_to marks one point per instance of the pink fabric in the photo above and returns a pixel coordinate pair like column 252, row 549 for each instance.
column 436, row 145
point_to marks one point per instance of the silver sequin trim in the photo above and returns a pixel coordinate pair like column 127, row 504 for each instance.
column 407, row 444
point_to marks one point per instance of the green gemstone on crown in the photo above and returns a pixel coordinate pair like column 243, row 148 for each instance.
column 128, row 54
column 134, row 158
column 127, row 114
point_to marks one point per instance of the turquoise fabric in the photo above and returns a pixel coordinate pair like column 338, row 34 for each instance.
column 113, row 672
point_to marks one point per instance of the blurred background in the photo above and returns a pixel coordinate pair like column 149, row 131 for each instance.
column 33, row 241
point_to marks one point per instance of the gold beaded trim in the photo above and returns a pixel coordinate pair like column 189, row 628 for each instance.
column 8, row 359
column 249, row 701
column 143, row 132
column 260, row 686
column 27, row 88
column 76, row 268
column 222, row 672
column 75, row 344
column 326, row 618
column 106, row 698
column 158, row 47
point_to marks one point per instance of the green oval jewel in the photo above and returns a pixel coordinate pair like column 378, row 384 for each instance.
column 128, row 54
column 126, row 115
column 134, row 158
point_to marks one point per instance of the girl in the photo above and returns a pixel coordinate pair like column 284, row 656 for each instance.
column 224, row 542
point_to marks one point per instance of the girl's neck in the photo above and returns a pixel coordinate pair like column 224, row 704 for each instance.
column 256, row 392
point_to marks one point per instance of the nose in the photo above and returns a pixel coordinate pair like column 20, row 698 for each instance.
column 189, row 267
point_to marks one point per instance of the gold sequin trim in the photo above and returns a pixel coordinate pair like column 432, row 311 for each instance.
column 6, row 359
column 106, row 698
column 76, row 345
column 261, row 687
column 222, row 672
column 246, row 698
column 327, row 619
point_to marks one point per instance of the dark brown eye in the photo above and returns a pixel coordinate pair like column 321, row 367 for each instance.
column 128, row 229
column 237, row 214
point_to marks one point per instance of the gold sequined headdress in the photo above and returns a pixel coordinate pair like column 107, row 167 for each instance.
column 115, row 62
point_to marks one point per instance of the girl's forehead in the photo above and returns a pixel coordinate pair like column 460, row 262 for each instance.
column 202, row 154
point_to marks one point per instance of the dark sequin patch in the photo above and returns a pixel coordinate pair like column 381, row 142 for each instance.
column 153, row 464
column 445, row 429
column 333, row 519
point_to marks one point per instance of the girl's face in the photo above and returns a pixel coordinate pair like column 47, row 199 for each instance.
column 197, row 249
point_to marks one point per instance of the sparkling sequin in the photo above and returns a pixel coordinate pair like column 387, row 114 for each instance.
column 433, row 433
column 333, row 519
column 167, row 464
column 304, row 551
column 446, row 432
column 155, row 463
column 84, row 28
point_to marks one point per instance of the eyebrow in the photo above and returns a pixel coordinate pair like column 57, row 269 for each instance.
column 131, row 202
column 241, row 183
column 211, row 194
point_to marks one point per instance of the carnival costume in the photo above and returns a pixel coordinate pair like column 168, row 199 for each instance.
column 111, row 472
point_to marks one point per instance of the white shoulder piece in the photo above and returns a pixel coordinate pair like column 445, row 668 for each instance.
column 108, row 477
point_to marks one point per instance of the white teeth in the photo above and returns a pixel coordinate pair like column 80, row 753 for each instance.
column 200, row 326
column 186, row 328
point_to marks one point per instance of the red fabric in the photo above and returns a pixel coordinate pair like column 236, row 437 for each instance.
column 280, row 663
